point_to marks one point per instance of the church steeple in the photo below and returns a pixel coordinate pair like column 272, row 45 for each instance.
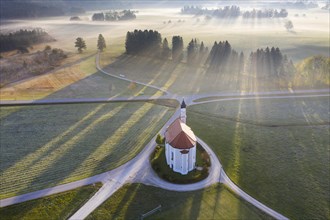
column 183, row 115
column 183, row 104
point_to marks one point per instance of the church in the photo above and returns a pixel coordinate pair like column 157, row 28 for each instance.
column 180, row 144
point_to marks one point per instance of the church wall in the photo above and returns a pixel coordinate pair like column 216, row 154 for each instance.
column 182, row 163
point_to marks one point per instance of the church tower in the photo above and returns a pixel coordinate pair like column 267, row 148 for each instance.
column 183, row 115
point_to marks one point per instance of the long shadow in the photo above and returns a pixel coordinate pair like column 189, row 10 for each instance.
column 23, row 118
column 58, row 171
column 156, row 72
column 134, row 144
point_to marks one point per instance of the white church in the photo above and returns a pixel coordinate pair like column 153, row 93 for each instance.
column 180, row 144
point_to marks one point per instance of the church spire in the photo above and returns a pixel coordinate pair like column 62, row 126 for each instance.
column 183, row 104
column 183, row 115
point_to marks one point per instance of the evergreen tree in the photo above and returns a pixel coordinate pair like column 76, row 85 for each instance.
column 143, row 42
column 177, row 48
column 166, row 50
column 80, row 44
column 101, row 43
column 241, row 62
column 202, row 49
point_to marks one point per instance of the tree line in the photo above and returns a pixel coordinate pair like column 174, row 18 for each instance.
column 265, row 13
column 269, row 63
column 114, row 16
column 222, row 58
column 234, row 12
column 23, row 39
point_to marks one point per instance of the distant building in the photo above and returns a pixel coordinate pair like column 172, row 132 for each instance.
column 180, row 144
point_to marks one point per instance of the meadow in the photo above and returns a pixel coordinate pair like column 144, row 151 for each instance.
column 58, row 206
column 81, row 80
column 44, row 146
column 275, row 150
column 215, row 202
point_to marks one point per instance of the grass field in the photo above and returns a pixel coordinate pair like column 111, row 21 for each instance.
column 58, row 206
column 275, row 150
column 44, row 146
column 81, row 80
column 215, row 202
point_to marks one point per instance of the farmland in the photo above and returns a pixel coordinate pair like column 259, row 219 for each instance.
column 275, row 150
column 215, row 202
column 44, row 146
column 59, row 206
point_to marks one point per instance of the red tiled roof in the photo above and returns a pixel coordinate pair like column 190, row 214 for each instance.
column 180, row 136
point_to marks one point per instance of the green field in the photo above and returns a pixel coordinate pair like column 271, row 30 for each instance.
column 44, row 146
column 98, row 85
column 275, row 150
column 180, row 78
column 58, row 206
column 215, row 202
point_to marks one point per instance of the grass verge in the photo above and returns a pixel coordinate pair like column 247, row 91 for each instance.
column 58, row 206
column 215, row 202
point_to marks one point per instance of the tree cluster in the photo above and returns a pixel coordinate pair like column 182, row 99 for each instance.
column 177, row 48
column 269, row 63
column 266, row 13
column 194, row 10
column 302, row 4
column 227, row 12
column 114, row 16
column 75, row 18
column 222, row 58
column 196, row 52
column 22, row 39
column 147, row 42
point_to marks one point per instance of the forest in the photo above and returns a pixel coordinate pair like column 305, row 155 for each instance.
column 23, row 39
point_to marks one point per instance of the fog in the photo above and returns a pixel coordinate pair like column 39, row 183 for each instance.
column 310, row 35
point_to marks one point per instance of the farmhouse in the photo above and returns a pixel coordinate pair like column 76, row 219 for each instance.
column 180, row 144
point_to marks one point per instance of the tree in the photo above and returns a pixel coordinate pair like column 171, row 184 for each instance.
column 166, row 50
column 192, row 51
column 177, row 48
column 288, row 25
column 101, row 43
column 159, row 139
column 80, row 44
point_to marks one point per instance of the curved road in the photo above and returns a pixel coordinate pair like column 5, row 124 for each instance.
column 139, row 169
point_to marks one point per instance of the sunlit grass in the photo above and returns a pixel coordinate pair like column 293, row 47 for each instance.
column 58, row 206
column 78, row 81
column 43, row 146
column 284, row 154
column 215, row 202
